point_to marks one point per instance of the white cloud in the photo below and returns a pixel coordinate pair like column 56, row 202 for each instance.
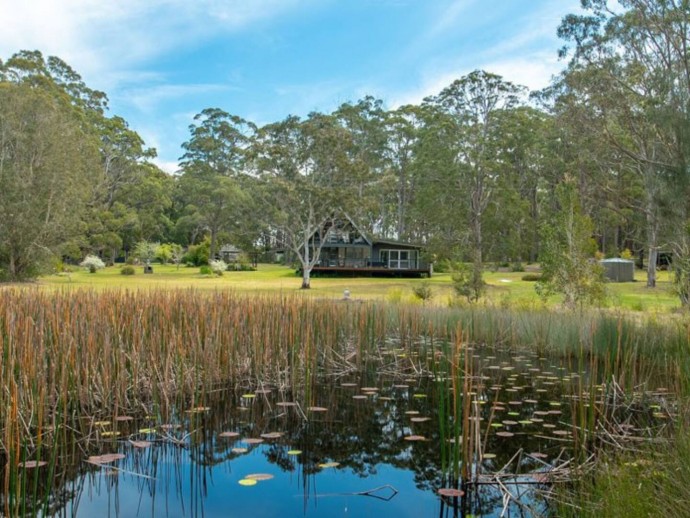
column 96, row 36
column 147, row 98
column 170, row 167
column 526, row 56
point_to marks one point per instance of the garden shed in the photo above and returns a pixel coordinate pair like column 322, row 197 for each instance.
column 619, row 270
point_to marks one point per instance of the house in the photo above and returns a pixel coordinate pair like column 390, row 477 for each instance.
column 348, row 250
column 229, row 253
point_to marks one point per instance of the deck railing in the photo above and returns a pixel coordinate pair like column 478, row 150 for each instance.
column 366, row 263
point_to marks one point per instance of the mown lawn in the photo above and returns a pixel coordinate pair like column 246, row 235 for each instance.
column 505, row 288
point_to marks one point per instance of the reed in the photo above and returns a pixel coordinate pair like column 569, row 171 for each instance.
column 78, row 353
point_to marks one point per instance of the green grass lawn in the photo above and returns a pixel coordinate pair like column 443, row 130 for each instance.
column 505, row 288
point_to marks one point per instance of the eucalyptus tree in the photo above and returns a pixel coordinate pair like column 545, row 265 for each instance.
column 403, row 128
column 364, row 123
column 46, row 158
column 637, row 50
column 472, row 107
column 307, row 169
column 212, row 169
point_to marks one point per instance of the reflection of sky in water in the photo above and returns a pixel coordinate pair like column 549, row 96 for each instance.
column 527, row 403
column 282, row 496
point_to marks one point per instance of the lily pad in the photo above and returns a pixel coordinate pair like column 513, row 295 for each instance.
column 229, row 435
column 450, row 492
column 294, row 452
column 272, row 435
column 140, row 444
column 247, row 482
column 30, row 464
column 326, row 465
column 106, row 459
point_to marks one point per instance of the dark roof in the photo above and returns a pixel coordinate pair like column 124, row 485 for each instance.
column 392, row 242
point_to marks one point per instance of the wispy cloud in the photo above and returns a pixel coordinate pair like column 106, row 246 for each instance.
column 527, row 56
column 148, row 98
column 96, row 36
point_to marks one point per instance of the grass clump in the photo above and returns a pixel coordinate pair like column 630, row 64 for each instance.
column 650, row 482
column 127, row 270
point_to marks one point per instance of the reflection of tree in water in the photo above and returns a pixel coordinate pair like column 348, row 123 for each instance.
column 361, row 435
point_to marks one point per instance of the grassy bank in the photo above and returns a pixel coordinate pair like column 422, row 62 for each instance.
column 505, row 289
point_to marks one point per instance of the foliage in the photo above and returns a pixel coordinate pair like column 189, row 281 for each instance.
column 92, row 263
column 127, row 270
column 46, row 158
column 468, row 283
column 567, row 254
column 626, row 254
column 164, row 253
column 205, row 270
column 146, row 251
column 423, row 291
column 531, row 277
column 218, row 267
column 197, row 255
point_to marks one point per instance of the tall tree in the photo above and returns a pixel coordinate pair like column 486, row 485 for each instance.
column 212, row 167
column 307, row 168
column 472, row 106
column 638, row 57
column 45, row 164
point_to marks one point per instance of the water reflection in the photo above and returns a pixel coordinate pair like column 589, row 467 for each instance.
column 340, row 448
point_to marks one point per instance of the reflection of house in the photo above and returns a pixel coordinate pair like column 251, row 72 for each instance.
column 348, row 250
column 229, row 253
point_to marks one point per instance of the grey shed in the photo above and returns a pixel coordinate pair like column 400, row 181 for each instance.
column 619, row 270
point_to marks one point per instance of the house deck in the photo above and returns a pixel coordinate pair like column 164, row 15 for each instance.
column 370, row 271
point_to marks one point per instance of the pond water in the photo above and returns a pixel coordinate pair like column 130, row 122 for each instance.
column 366, row 443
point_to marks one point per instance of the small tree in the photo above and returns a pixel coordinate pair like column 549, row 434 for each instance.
column 468, row 282
column 92, row 263
column 164, row 253
column 567, row 255
column 177, row 253
column 146, row 251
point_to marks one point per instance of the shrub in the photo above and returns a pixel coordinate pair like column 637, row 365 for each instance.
column 394, row 295
column 467, row 282
column 517, row 267
column 92, row 263
column 422, row 291
column 218, row 267
column 626, row 254
column 531, row 277
column 205, row 270
column 127, row 270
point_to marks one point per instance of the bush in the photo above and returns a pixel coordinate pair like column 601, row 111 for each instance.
column 205, row 270
column 626, row 254
column 218, row 267
column 422, row 291
column 531, row 277
column 92, row 263
column 517, row 267
column 467, row 282
column 127, row 270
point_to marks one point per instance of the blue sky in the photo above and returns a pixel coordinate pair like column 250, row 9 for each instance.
column 163, row 61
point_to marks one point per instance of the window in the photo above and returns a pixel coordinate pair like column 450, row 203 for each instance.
column 399, row 259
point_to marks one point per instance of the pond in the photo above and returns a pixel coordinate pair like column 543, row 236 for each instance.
column 383, row 440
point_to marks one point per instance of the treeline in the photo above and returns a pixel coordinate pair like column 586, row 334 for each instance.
column 470, row 172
